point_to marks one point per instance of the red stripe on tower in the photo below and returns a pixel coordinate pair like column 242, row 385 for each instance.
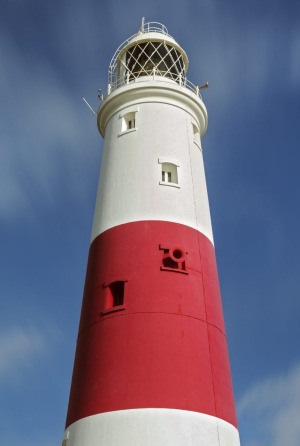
column 151, row 364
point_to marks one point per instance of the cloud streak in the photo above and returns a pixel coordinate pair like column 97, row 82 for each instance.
column 19, row 348
column 272, row 407
column 43, row 139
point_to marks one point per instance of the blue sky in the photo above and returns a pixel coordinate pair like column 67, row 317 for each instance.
column 54, row 53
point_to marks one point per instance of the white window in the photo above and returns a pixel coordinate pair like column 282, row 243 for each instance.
column 128, row 122
column 166, row 176
column 169, row 174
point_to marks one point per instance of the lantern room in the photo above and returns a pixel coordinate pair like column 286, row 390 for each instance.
column 153, row 53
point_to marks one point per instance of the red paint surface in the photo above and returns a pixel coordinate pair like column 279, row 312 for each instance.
column 167, row 347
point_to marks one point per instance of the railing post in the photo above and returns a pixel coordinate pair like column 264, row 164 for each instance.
column 154, row 72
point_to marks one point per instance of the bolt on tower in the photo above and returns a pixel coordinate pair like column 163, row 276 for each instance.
column 151, row 364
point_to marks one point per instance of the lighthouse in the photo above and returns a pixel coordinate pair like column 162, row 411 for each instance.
column 151, row 365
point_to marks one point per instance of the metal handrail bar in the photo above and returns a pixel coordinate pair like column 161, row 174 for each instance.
column 154, row 27
column 112, row 64
column 156, row 75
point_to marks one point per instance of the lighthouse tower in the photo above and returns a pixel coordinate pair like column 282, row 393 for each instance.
column 151, row 365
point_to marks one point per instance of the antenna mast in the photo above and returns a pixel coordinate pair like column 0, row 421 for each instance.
column 89, row 106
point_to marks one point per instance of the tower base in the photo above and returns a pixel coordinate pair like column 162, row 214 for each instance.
column 151, row 427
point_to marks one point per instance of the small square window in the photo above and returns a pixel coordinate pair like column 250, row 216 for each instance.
column 128, row 122
column 169, row 173
column 114, row 296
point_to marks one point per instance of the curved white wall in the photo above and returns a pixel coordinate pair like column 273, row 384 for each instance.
column 168, row 427
column 131, row 162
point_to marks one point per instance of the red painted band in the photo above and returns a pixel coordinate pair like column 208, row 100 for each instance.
column 163, row 345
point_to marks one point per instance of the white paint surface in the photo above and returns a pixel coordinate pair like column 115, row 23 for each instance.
column 129, row 187
column 151, row 427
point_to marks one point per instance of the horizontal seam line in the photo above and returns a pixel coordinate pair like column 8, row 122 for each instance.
column 150, row 312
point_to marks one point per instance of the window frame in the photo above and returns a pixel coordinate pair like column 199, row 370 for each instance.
column 126, row 118
column 165, row 173
column 108, row 295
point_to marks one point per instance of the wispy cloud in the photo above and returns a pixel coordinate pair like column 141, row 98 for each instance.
column 19, row 348
column 272, row 409
column 244, row 55
column 43, row 142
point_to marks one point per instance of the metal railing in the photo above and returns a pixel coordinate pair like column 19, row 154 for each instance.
column 144, row 75
column 154, row 27
column 154, row 75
